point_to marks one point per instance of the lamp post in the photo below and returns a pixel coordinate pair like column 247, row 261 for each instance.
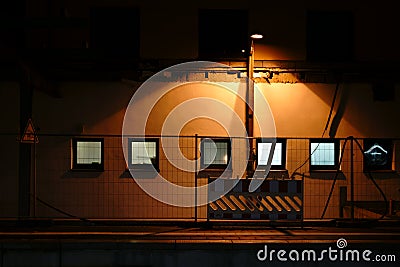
column 250, row 101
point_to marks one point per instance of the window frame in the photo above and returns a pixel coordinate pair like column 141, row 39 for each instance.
column 283, row 141
column 216, row 166
column 333, row 167
column 144, row 166
column 86, row 167
column 384, row 141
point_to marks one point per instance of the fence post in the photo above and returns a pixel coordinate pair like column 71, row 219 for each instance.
column 34, row 177
column 352, row 176
column 195, row 177
column 342, row 200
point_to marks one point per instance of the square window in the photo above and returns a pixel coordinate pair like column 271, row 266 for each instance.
column 115, row 31
column 324, row 154
column 215, row 153
column 88, row 154
column 279, row 157
column 143, row 153
column 378, row 154
column 330, row 35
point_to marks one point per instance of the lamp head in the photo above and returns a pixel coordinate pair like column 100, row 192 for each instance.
column 256, row 36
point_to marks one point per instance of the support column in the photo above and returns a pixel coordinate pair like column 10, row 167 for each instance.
column 250, row 108
column 25, row 150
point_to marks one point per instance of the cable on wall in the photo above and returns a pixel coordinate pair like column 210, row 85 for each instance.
column 60, row 210
column 375, row 183
column 323, row 133
column 369, row 175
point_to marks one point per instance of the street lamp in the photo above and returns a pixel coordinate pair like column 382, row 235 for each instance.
column 256, row 36
column 250, row 69
column 250, row 101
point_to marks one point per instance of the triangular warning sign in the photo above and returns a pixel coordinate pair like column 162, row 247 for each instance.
column 29, row 135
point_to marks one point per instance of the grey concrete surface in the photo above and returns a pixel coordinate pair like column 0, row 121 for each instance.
column 110, row 244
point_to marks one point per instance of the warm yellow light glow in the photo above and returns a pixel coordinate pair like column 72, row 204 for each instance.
column 256, row 36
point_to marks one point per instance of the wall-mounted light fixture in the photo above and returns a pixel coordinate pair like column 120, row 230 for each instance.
column 250, row 98
column 256, row 36
column 250, row 69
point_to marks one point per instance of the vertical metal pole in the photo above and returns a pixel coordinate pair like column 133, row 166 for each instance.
column 34, row 176
column 195, row 177
column 250, row 104
column 251, row 92
column 352, row 176
column 302, row 200
column 342, row 200
column 25, row 112
column 25, row 151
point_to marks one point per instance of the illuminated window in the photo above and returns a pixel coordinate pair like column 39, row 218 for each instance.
column 279, row 157
column 378, row 154
column 143, row 153
column 215, row 153
column 88, row 154
column 324, row 154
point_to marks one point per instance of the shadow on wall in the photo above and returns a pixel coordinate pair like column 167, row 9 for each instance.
column 84, row 108
column 356, row 106
column 81, row 174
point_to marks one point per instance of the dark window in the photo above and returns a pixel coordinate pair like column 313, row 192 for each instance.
column 13, row 24
column 13, row 8
column 143, row 153
column 324, row 154
column 88, row 154
column 384, row 90
column 279, row 157
column 378, row 154
column 115, row 31
column 330, row 36
column 215, row 153
column 223, row 33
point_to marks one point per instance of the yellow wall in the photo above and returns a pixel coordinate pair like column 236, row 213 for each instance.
column 169, row 31
column 300, row 110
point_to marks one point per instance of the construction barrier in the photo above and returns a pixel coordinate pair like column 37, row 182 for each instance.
column 273, row 200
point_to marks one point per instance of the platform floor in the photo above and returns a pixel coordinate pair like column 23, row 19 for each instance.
column 103, row 243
